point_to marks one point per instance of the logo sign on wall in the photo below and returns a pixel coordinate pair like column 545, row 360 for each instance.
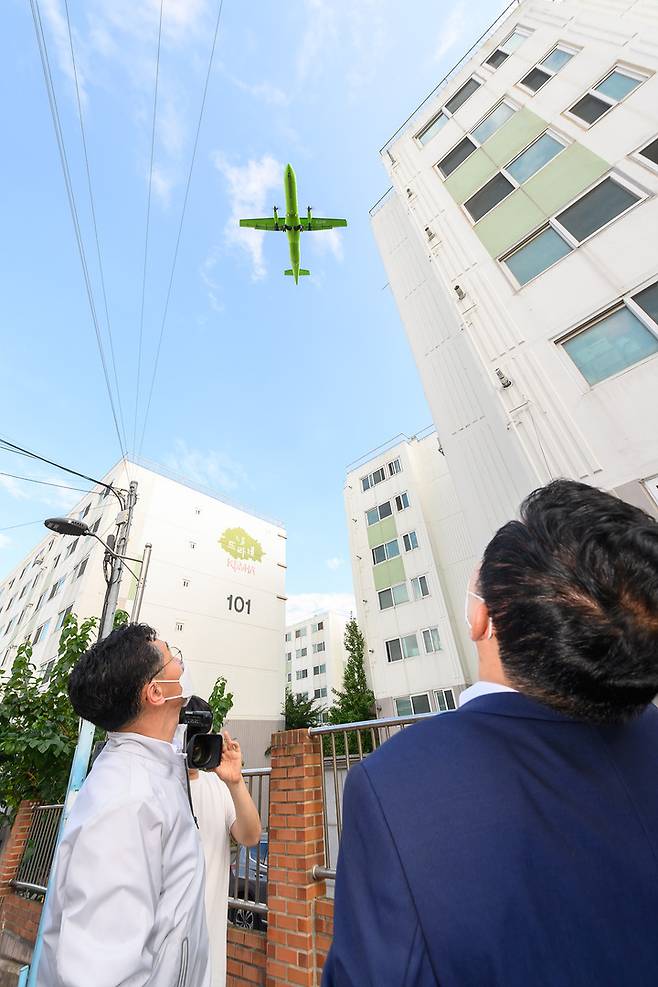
column 243, row 549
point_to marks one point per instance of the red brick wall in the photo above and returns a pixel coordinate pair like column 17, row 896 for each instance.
column 17, row 915
column 245, row 962
column 21, row 917
column 324, row 930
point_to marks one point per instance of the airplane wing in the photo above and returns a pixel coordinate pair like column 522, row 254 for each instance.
column 263, row 224
column 321, row 224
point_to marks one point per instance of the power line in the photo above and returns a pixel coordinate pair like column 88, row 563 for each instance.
column 54, row 111
column 93, row 216
column 46, row 483
column 25, row 524
column 12, row 447
column 146, row 238
column 180, row 225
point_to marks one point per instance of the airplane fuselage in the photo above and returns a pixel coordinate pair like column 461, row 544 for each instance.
column 293, row 225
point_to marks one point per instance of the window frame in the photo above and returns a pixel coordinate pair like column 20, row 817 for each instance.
column 390, row 589
column 646, row 162
column 377, row 508
column 551, row 73
column 624, row 301
column 550, row 132
column 399, row 497
column 387, row 557
column 471, row 136
column 410, row 700
column 620, row 67
column 428, row 630
column 417, row 579
column 564, row 233
column 369, row 478
column 393, row 462
column 448, row 709
column 408, row 534
column 525, row 32
column 445, row 111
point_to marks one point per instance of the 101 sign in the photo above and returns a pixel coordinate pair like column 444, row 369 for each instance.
column 238, row 604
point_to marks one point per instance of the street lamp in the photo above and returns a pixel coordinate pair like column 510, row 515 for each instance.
column 71, row 526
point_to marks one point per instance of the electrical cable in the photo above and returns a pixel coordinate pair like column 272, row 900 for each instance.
column 46, row 483
column 182, row 219
column 4, row 443
column 95, row 225
column 146, row 238
column 52, row 99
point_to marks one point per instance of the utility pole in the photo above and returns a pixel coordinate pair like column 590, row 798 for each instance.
column 86, row 735
column 141, row 583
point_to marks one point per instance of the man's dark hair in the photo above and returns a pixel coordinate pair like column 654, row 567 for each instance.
column 572, row 589
column 106, row 682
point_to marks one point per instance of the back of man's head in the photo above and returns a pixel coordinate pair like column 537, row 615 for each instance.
column 105, row 685
column 572, row 589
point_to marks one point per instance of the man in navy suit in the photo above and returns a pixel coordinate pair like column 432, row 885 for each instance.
column 514, row 842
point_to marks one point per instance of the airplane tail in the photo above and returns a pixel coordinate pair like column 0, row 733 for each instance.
column 291, row 273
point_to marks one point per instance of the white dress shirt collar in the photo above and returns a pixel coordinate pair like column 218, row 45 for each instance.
column 482, row 689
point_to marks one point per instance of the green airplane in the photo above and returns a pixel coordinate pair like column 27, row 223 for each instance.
column 292, row 224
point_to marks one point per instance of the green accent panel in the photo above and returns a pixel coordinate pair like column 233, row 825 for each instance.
column 382, row 531
column 470, row 175
column 564, row 177
column 513, row 136
column 388, row 573
column 509, row 222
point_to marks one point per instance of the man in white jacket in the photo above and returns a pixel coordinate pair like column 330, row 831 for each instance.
column 127, row 905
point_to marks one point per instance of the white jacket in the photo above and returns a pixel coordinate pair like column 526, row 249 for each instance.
column 127, row 905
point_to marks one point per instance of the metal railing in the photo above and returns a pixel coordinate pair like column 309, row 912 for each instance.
column 247, row 903
column 345, row 745
column 36, row 861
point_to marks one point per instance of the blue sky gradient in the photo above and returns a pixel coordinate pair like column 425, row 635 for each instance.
column 265, row 391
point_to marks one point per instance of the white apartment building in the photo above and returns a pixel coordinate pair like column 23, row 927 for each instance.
column 315, row 655
column 215, row 589
column 520, row 243
column 411, row 558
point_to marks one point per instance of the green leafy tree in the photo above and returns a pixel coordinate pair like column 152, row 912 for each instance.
column 221, row 703
column 356, row 700
column 301, row 713
column 38, row 725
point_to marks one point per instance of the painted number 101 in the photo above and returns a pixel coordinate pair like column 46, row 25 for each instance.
column 239, row 604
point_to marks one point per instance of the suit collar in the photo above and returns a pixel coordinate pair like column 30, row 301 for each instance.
column 513, row 704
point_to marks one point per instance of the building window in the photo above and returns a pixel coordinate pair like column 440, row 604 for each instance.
column 493, row 121
column 569, row 228
column 402, row 502
column 379, row 513
column 56, row 587
column 61, row 617
column 303, row 652
column 192, row 544
column 538, row 154
column 650, row 152
column 410, row 646
column 12, row 583
column 456, row 156
column 431, row 640
column 40, row 633
column 302, row 695
column 389, row 550
column 86, row 511
column 186, row 583
column 410, row 541
column 462, row 94
column 71, row 549
column 56, row 560
column 319, row 669
column 508, row 47
column 393, row 596
column 412, row 705
column 373, row 479
column 47, row 669
column 394, row 467
column 301, row 673
column 547, row 68
column 320, row 693
column 317, row 627
column 319, row 647
column 290, row 676
column 23, row 612
column 95, row 526
column 179, row 625
column 301, row 632
column 439, row 120
column 82, row 567
column 614, row 88
column 484, row 200
column 40, row 600
column 197, row 511
column 23, row 572
column 445, row 699
column 420, row 587
column 288, row 636
column 616, row 341
column 9, row 626
column 23, row 592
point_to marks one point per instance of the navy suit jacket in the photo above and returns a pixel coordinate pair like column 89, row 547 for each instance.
column 503, row 844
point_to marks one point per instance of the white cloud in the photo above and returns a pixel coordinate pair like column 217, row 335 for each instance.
column 335, row 563
column 4, row 540
column 162, row 185
column 264, row 91
column 209, row 469
column 321, row 30
column 249, row 190
column 50, row 495
column 303, row 605
column 452, row 30
column 212, row 285
column 53, row 14
column 327, row 241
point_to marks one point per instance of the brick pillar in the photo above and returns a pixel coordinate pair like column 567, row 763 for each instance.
column 296, row 845
column 13, row 850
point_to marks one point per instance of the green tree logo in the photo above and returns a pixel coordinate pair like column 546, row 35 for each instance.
column 240, row 545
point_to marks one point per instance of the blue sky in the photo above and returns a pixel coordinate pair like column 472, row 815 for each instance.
column 264, row 391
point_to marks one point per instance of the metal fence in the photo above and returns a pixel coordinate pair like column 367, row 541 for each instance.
column 345, row 745
column 37, row 858
column 247, row 903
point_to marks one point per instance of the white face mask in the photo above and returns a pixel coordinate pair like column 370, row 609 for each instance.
column 185, row 682
column 469, row 592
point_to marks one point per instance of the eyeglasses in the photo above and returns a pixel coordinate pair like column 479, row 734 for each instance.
column 177, row 656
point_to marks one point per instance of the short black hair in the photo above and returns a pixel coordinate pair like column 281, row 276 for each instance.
column 572, row 589
column 105, row 683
